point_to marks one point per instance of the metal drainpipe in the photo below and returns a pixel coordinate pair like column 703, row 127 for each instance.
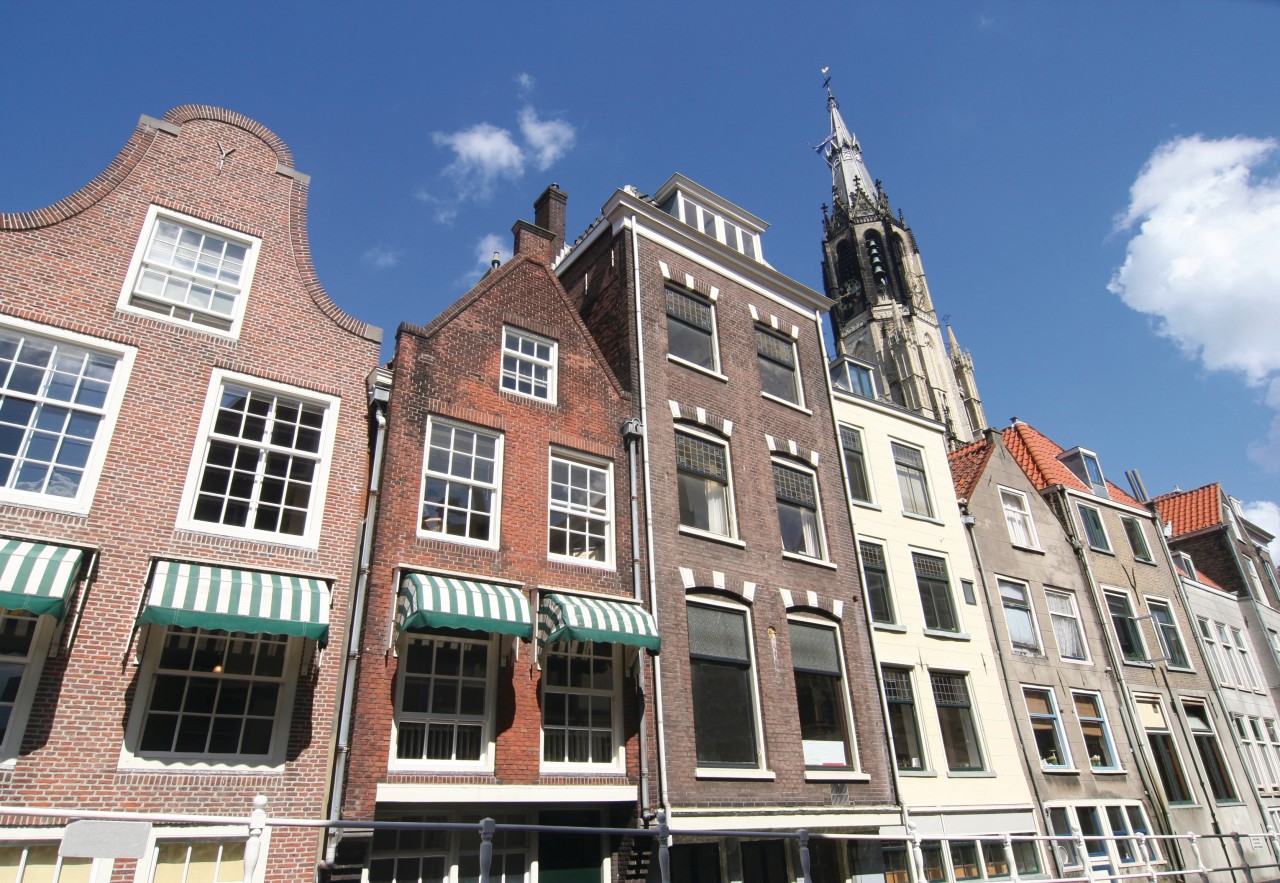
column 633, row 222
column 633, row 432
column 378, row 400
column 1132, row 722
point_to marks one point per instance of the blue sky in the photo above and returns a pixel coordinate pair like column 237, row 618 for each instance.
column 1035, row 148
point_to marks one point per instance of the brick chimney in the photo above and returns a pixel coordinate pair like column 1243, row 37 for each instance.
column 532, row 241
column 548, row 213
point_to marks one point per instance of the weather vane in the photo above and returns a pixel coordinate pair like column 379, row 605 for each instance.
column 826, row 80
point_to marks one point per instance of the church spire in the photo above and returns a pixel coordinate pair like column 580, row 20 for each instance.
column 843, row 154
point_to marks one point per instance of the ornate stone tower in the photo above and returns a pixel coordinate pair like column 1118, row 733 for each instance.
column 883, row 313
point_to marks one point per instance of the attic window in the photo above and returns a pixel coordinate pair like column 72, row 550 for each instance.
column 854, row 377
column 1184, row 561
column 716, row 226
column 1084, row 464
column 1094, row 473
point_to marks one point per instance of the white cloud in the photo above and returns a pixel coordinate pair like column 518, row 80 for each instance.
column 1266, row 515
column 482, row 154
column 486, row 247
column 381, row 258
column 1201, row 261
column 549, row 139
column 525, row 82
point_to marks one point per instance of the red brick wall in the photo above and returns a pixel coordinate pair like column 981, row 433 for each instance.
column 64, row 267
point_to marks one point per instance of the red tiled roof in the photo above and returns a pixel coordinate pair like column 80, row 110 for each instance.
column 1037, row 454
column 1190, row 511
column 967, row 464
column 1200, row 577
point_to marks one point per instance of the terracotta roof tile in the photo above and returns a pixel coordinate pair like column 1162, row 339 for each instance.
column 1037, row 454
column 967, row 464
column 1200, row 577
column 1190, row 511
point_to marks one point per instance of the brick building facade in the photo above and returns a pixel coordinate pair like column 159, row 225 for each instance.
column 183, row 445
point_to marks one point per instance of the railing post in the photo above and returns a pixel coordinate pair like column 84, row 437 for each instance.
column 1201, row 868
column 1274, row 836
column 253, row 846
column 804, row 855
column 917, row 851
column 664, row 851
column 487, row 827
column 1145, row 851
column 1082, row 853
column 1009, row 857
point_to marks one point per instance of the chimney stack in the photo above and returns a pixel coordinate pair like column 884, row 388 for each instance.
column 548, row 213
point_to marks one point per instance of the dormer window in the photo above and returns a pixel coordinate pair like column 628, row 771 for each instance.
column 1085, row 465
column 1184, row 562
column 854, row 377
column 712, row 216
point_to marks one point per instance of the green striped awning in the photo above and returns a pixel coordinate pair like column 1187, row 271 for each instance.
column 36, row 577
column 576, row 618
column 200, row 595
column 430, row 601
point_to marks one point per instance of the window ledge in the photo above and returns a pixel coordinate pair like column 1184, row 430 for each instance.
column 1075, row 661
column 704, row 772
column 781, row 401
column 867, row 504
column 581, row 562
column 927, row 518
column 1109, row 771
column 1147, row 561
column 1102, row 551
column 1140, row 663
column 971, row 774
column 208, row 532
column 947, row 636
column 1035, row 550
column 454, row 540
column 1059, row 770
column 836, row 776
column 919, row 774
column 713, row 537
column 676, row 360
column 1190, row 671
column 889, row 627
column 806, row 559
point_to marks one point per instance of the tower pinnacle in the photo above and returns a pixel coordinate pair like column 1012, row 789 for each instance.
column 843, row 154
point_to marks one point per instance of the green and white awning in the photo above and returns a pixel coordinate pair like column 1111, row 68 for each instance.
column 207, row 597
column 577, row 618
column 430, row 601
column 37, row 577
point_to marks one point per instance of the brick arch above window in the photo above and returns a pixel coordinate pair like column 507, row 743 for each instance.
column 698, row 580
column 833, row 607
column 701, row 417
column 792, row 331
column 710, row 292
column 788, row 448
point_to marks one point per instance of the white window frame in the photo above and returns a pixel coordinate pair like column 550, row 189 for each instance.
column 710, row 304
column 1251, row 673
column 324, row 461
column 797, row 382
column 852, row 764
column 820, row 530
column 730, row 509
column 495, row 515
column 1113, row 591
column 761, row 766
column 1228, row 651
column 551, row 364
column 487, row 736
column 151, row 645
column 931, row 508
column 1108, row 548
column 1087, row 659
column 1165, row 729
column 1101, row 719
column 1128, row 521
column 110, row 411
column 238, row 834
column 617, row 763
column 609, row 517
column 1027, row 606
column 43, row 629
column 1022, row 510
column 252, row 244
column 1187, row 564
column 1054, row 717
column 34, row 838
column 1210, row 734
column 1159, row 628
column 1255, row 581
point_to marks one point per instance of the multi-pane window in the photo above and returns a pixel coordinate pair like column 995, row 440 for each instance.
column 41, row 863
column 1137, row 539
column 1018, row 615
column 1211, row 759
column 724, row 718
column 192, row 275
column 528, row 364
column 1098, row 744
column 53, row 404
column 777, row 358
column 1046, row 728
column 1066, row 625
column 1095, row 533
column 912, row 481
column 1108, row 830
column 1126, row 628
column 262, row 461
column 1261, row 750
column 421, row 855
column 1251, row 673
column 1184, row 561
column 955, row 717
column 706, row 500
column 1017, row 518
column 1219, row 666
column 1160, row 738
column 580, row 513
column 1255, row 583
column 579, row 683
column 935, row 593
column 855, row 463
column 1167, row 631
column 209, row 861
column 815, row 660
column 798, row 516
column 443, row 709
column 853, row 377
column 876, row 576
column 214, row 693
column 691, row 329
column 18, row 648
column 1093, row 471
column 903, row 725
column 460, row 483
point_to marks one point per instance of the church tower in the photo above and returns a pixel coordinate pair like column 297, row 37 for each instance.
column 883, row 314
